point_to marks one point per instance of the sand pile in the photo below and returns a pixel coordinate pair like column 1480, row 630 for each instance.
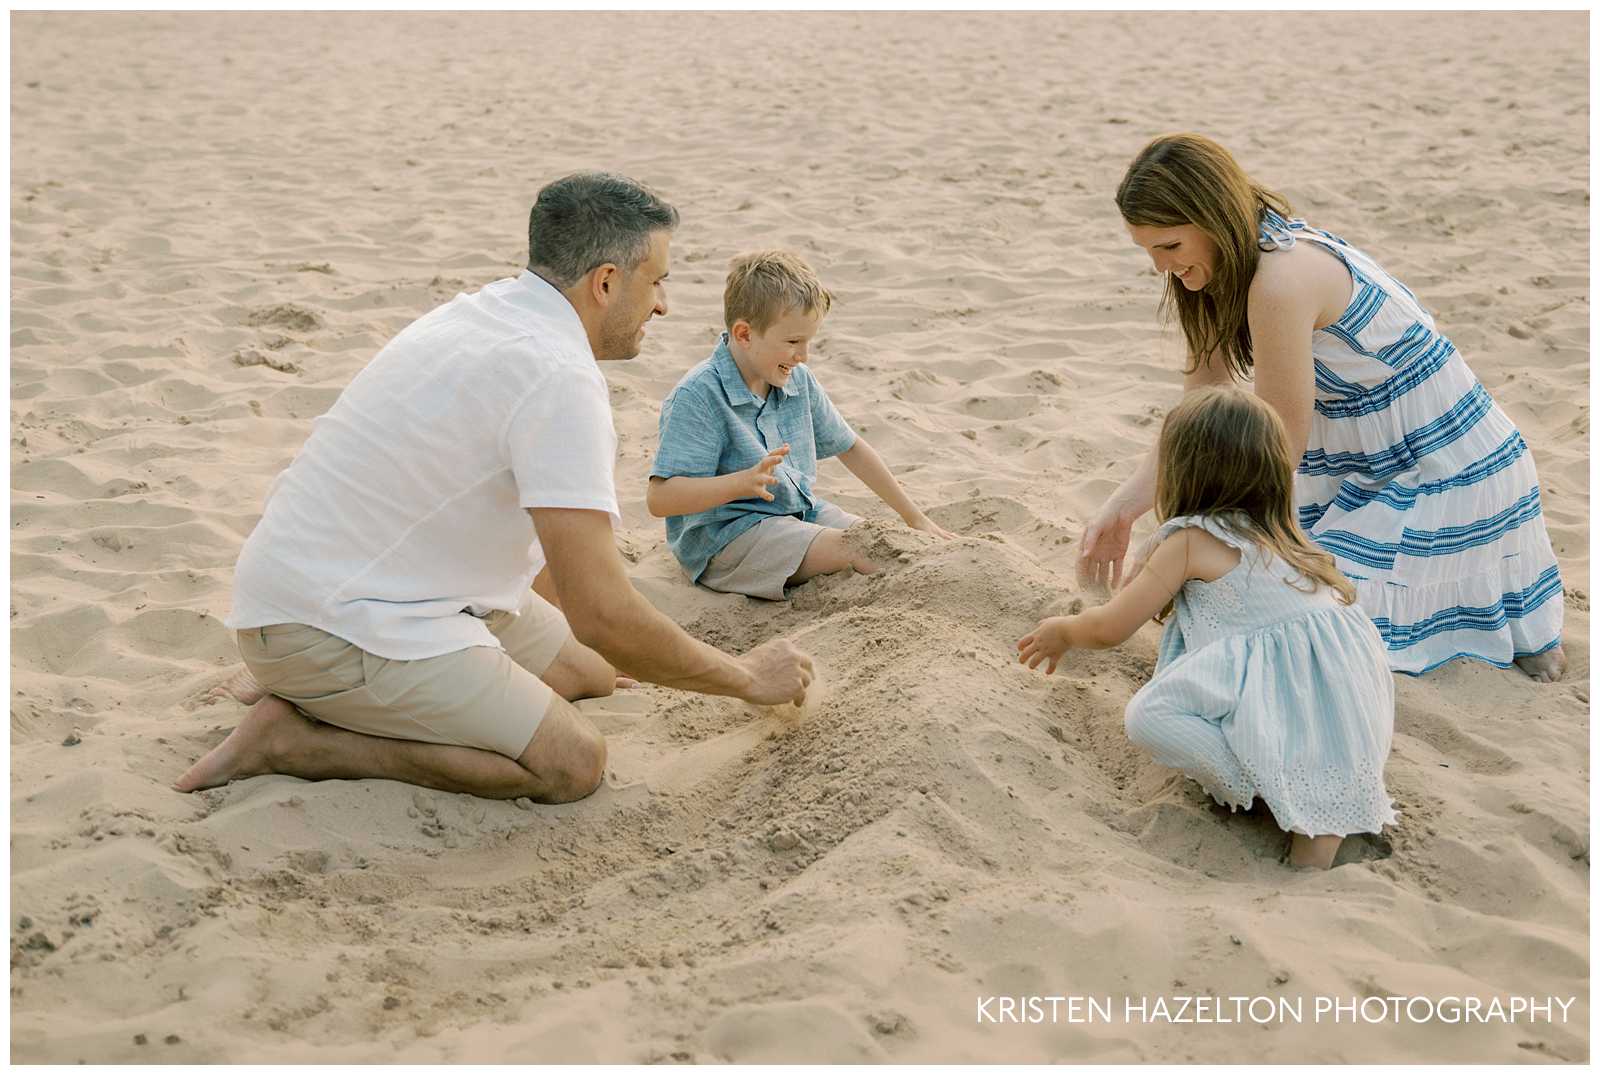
column 217, row 220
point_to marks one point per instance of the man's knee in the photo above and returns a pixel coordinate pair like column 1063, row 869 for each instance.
column 600, row 680
column 580, row 672
column 567, row 756
column 584, row 770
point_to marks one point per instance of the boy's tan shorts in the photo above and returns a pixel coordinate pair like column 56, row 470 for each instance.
column 480, row 697
column 759, row 561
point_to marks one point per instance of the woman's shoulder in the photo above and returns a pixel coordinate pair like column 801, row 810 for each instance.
column 1303, row 279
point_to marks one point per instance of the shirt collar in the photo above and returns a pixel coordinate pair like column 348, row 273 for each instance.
column 546, row 299
column 733, row 385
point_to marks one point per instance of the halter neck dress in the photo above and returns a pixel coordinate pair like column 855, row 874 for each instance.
column 1418, row 483
column 1267, row 687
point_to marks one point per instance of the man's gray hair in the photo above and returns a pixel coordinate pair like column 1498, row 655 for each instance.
column 591, row 218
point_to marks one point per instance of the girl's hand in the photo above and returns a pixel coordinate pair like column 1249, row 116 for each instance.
column 928, row 526
column 753, row 481
column 1048, row 642
column 1104, row 545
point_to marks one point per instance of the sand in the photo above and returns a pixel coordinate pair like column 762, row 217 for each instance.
column 216, row 220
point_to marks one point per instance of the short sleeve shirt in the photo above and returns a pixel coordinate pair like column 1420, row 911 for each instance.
column 712, row 424
column 403, row 518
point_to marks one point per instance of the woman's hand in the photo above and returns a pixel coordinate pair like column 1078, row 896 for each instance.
column 921, row 522
column 1049, row 641
column 1104, row 546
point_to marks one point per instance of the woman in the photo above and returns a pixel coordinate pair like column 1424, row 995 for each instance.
column 1410, row 475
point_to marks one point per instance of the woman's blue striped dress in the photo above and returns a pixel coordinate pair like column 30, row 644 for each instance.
column 1418, row 483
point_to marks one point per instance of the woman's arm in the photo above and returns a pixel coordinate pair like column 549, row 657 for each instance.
column 1285, row 303
column 1105, row 540
column 865, row 463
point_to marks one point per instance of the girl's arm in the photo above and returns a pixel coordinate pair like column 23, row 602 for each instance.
column 865, row 463
column 1114, row 622
column 683, row 495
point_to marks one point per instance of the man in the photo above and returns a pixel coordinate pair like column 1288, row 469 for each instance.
column 386, row 590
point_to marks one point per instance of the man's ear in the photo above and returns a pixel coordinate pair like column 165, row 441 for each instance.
column 604, row 280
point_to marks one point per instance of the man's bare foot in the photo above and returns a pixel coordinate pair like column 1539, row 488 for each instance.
column 241, row 687
column 1314, row 852
column 248, row 750
column 1546, row 667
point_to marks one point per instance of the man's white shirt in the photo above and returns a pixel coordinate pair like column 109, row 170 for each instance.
column 402, row 518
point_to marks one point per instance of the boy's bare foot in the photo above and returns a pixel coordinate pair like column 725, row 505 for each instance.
column 249, row 748
column 1314, row 852
column 1546, row 667
column 241, row 687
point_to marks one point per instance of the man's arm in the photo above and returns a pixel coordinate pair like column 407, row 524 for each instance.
column 609, row 616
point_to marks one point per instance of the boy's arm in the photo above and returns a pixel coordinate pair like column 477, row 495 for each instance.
column 683, row 495
column 864, row 462
column 1114, row 622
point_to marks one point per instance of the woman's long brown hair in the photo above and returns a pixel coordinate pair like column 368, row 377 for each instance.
column 1225, row 452
column 1183, row 179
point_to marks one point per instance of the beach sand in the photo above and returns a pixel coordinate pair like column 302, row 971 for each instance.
column 218, row 219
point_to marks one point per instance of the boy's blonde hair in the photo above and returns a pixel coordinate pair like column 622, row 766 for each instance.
column 767, row 284
column 1223, row 451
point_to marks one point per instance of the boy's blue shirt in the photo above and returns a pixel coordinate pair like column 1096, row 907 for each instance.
column 712, row 424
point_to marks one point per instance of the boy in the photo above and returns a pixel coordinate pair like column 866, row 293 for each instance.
column 740, row 438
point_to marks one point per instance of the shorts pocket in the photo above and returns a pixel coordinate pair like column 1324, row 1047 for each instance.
column 301, row 663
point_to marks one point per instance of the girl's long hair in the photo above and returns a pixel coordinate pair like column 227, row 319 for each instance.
column 1183, row 179
column 1225, row 452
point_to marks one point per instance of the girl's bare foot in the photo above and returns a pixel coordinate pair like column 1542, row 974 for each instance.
column 241, row 687
column 1314, row 852
column 249, row 748
column 1546, row 667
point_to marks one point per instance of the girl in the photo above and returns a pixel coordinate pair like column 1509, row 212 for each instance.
column 1410, row 474
column 1270, row 681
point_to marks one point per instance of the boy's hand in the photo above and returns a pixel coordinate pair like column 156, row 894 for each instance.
column 754, row 481
column 928, row 526
column 1048, row 642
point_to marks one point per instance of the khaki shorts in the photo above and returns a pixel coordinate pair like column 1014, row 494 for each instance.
column 759, row 561
column 477, row 697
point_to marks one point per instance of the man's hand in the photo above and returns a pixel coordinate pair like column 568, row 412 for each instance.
column 779, row 672
column 608, row 615
column 754, row 481
column 1049, row 641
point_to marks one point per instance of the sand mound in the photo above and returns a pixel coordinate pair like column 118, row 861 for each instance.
column 217, row 220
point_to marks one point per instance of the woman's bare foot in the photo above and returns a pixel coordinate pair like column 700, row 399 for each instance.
column 1546, row 667
column 249, row 748
column 1314, row 852
column 241, row 687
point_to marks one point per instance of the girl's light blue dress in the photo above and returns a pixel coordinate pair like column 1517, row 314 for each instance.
column 1263, row 688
